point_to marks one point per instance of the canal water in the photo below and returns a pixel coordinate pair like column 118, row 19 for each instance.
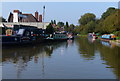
column 81, row 58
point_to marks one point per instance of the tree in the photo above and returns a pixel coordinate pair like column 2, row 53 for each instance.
column 54, row 22
column 2, row 19
column 87, row 23
column 66, row 26
column 77, row 29
column 86, row 18
column 71, row 28
column 110, row 23
column 60, row 24
column 49, row 29
column 109, row 11
column 90, row 27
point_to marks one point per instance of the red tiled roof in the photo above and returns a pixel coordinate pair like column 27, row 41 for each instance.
column 29, row 18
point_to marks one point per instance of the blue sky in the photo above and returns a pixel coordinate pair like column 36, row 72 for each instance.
column 59, row 11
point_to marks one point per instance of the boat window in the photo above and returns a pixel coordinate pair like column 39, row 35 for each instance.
column 31, row 32
column 20, row 31
column 27, row 33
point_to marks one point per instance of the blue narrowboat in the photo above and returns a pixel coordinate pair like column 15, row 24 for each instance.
column 108, row 36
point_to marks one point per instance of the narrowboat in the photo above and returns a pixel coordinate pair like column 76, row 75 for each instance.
column 22, row 35
column 57, row 36
column 108, row 37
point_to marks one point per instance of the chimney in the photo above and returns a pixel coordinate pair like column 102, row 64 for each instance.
column 36, row 15
column 16, row 11
column 40, row 18
column 15, row 15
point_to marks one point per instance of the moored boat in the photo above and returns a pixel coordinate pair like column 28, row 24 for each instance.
column 108, row 37
column 57, row 36
column 70, row 36
column 92, row 35
column 22, row 35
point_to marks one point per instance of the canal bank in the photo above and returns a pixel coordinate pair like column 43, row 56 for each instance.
column 113, row 42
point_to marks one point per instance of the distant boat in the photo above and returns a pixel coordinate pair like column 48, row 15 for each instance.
column 70, row 36
column 92, row 35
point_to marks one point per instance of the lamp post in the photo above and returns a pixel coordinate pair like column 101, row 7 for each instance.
column 43, row 15
column 43, row 53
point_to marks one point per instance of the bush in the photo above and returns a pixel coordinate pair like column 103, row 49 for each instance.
column 117, row 33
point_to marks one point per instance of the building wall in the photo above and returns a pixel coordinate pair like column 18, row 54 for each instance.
column 37, row 24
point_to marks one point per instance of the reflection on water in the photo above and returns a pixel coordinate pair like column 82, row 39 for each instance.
column 86, row 48
column 20, row 55
column 109, row 55
column 79, row 59
column 106, row 43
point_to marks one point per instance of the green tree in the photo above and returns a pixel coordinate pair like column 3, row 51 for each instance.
column 109, row 11
column 110, row 24
column 86, row 18
column 54, row 22
column 90, row 27
column 49, row 29
column 77, row 29
column 71, row 28
column 87, row 23
column 2, row 19
column 66, row 26
column 60, row 24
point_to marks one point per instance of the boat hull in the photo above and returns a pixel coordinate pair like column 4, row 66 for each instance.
column 18, row 40
column 48, row 40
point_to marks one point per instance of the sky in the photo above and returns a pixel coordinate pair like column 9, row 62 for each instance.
column 59, row 11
